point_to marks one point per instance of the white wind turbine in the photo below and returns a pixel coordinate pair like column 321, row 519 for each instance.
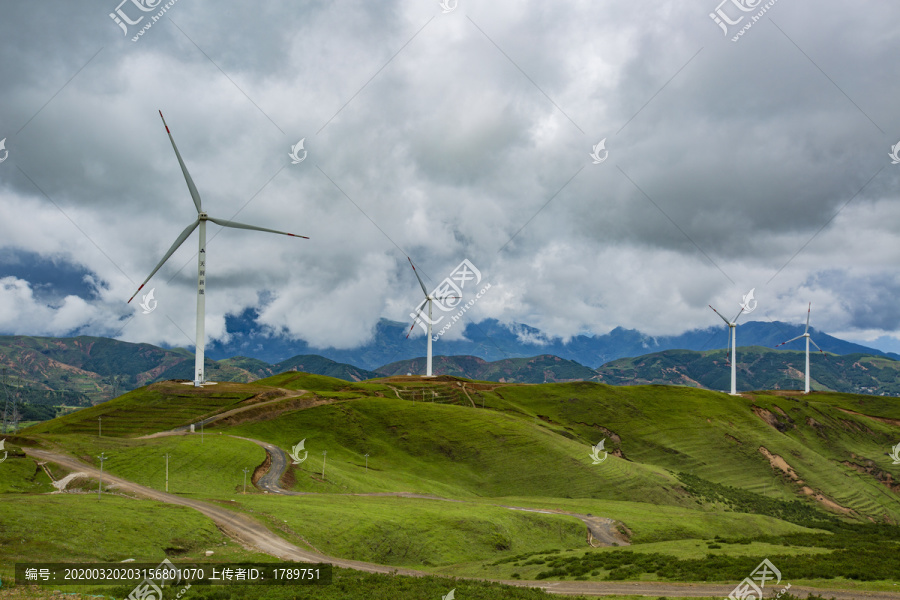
column 429, row 299
column 732, row 341
column 808, row 340
column 202, row 218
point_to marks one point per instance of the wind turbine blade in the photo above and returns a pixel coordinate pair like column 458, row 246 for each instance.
column 809, row 308
column 790, row 340
column 237, row 225
column 184, row 235
column 734, row 320
column 817, row 346
column 424, row 291
column 187, row 176
column 721, row 317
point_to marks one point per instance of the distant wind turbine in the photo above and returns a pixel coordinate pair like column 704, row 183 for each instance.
column 808, row 340
column 202, row 218
column 430, row 299
column 732, row 341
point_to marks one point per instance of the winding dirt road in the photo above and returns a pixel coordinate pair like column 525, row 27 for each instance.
column 601, row 529
column 250, row 532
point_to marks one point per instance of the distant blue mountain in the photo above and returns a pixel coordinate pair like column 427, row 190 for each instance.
column 493, row 341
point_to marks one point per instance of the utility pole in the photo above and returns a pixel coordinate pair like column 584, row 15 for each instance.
column 6, row 406
column 324, row 453
column 245, row 479
column 167, row 471
column 367, row 462
column 102, row 458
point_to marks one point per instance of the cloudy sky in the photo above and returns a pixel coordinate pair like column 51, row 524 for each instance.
column 448, row 132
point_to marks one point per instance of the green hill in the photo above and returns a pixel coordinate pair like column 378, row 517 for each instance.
column 313, row 363
column 538, row 369
column 758, row 368
column 702, row 484
column 80, row 371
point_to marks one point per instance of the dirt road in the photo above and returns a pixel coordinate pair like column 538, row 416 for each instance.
column 239, row 526
column 600, row 529
column 251, row 533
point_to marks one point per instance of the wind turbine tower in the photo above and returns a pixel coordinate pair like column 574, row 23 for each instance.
column 732, row 341
column 808, row 340
column 429, row 298
column 202, row 218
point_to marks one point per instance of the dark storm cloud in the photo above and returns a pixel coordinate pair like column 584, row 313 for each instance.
column 761, row 163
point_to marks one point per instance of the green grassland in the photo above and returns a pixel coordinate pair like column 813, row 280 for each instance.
column 686, row 476
column 718, row 437
column 452, row 451
column 411, row 532
column 211, row 467
column 158, row 407
column 651, row 524
column 83, row 528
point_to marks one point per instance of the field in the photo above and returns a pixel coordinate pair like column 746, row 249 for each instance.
column 696, row 485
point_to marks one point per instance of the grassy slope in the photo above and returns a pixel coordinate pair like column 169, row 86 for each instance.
column 758, row 368
column 533, row 446
column 413, row 532
column 717, row 437
column 79, row 528
column 452, row 451
column 158, row 407
column 212, row 468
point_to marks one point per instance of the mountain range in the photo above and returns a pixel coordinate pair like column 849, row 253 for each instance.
column 492, row 341
column 46, row 372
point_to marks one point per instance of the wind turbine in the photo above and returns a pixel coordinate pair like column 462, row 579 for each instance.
column 732, row 341
column 808, row 340
column 202, row 218
column 429, row 298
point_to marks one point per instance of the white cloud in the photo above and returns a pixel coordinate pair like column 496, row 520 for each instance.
column 443, row 145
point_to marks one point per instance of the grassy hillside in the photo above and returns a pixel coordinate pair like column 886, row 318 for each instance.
column 87, row 370
column 158, row 407
column 99, row 368
column 725, row 439
column 758, row 368
column 538, row 369
column 802, row 480
column 451, row 451
column 312, row 363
